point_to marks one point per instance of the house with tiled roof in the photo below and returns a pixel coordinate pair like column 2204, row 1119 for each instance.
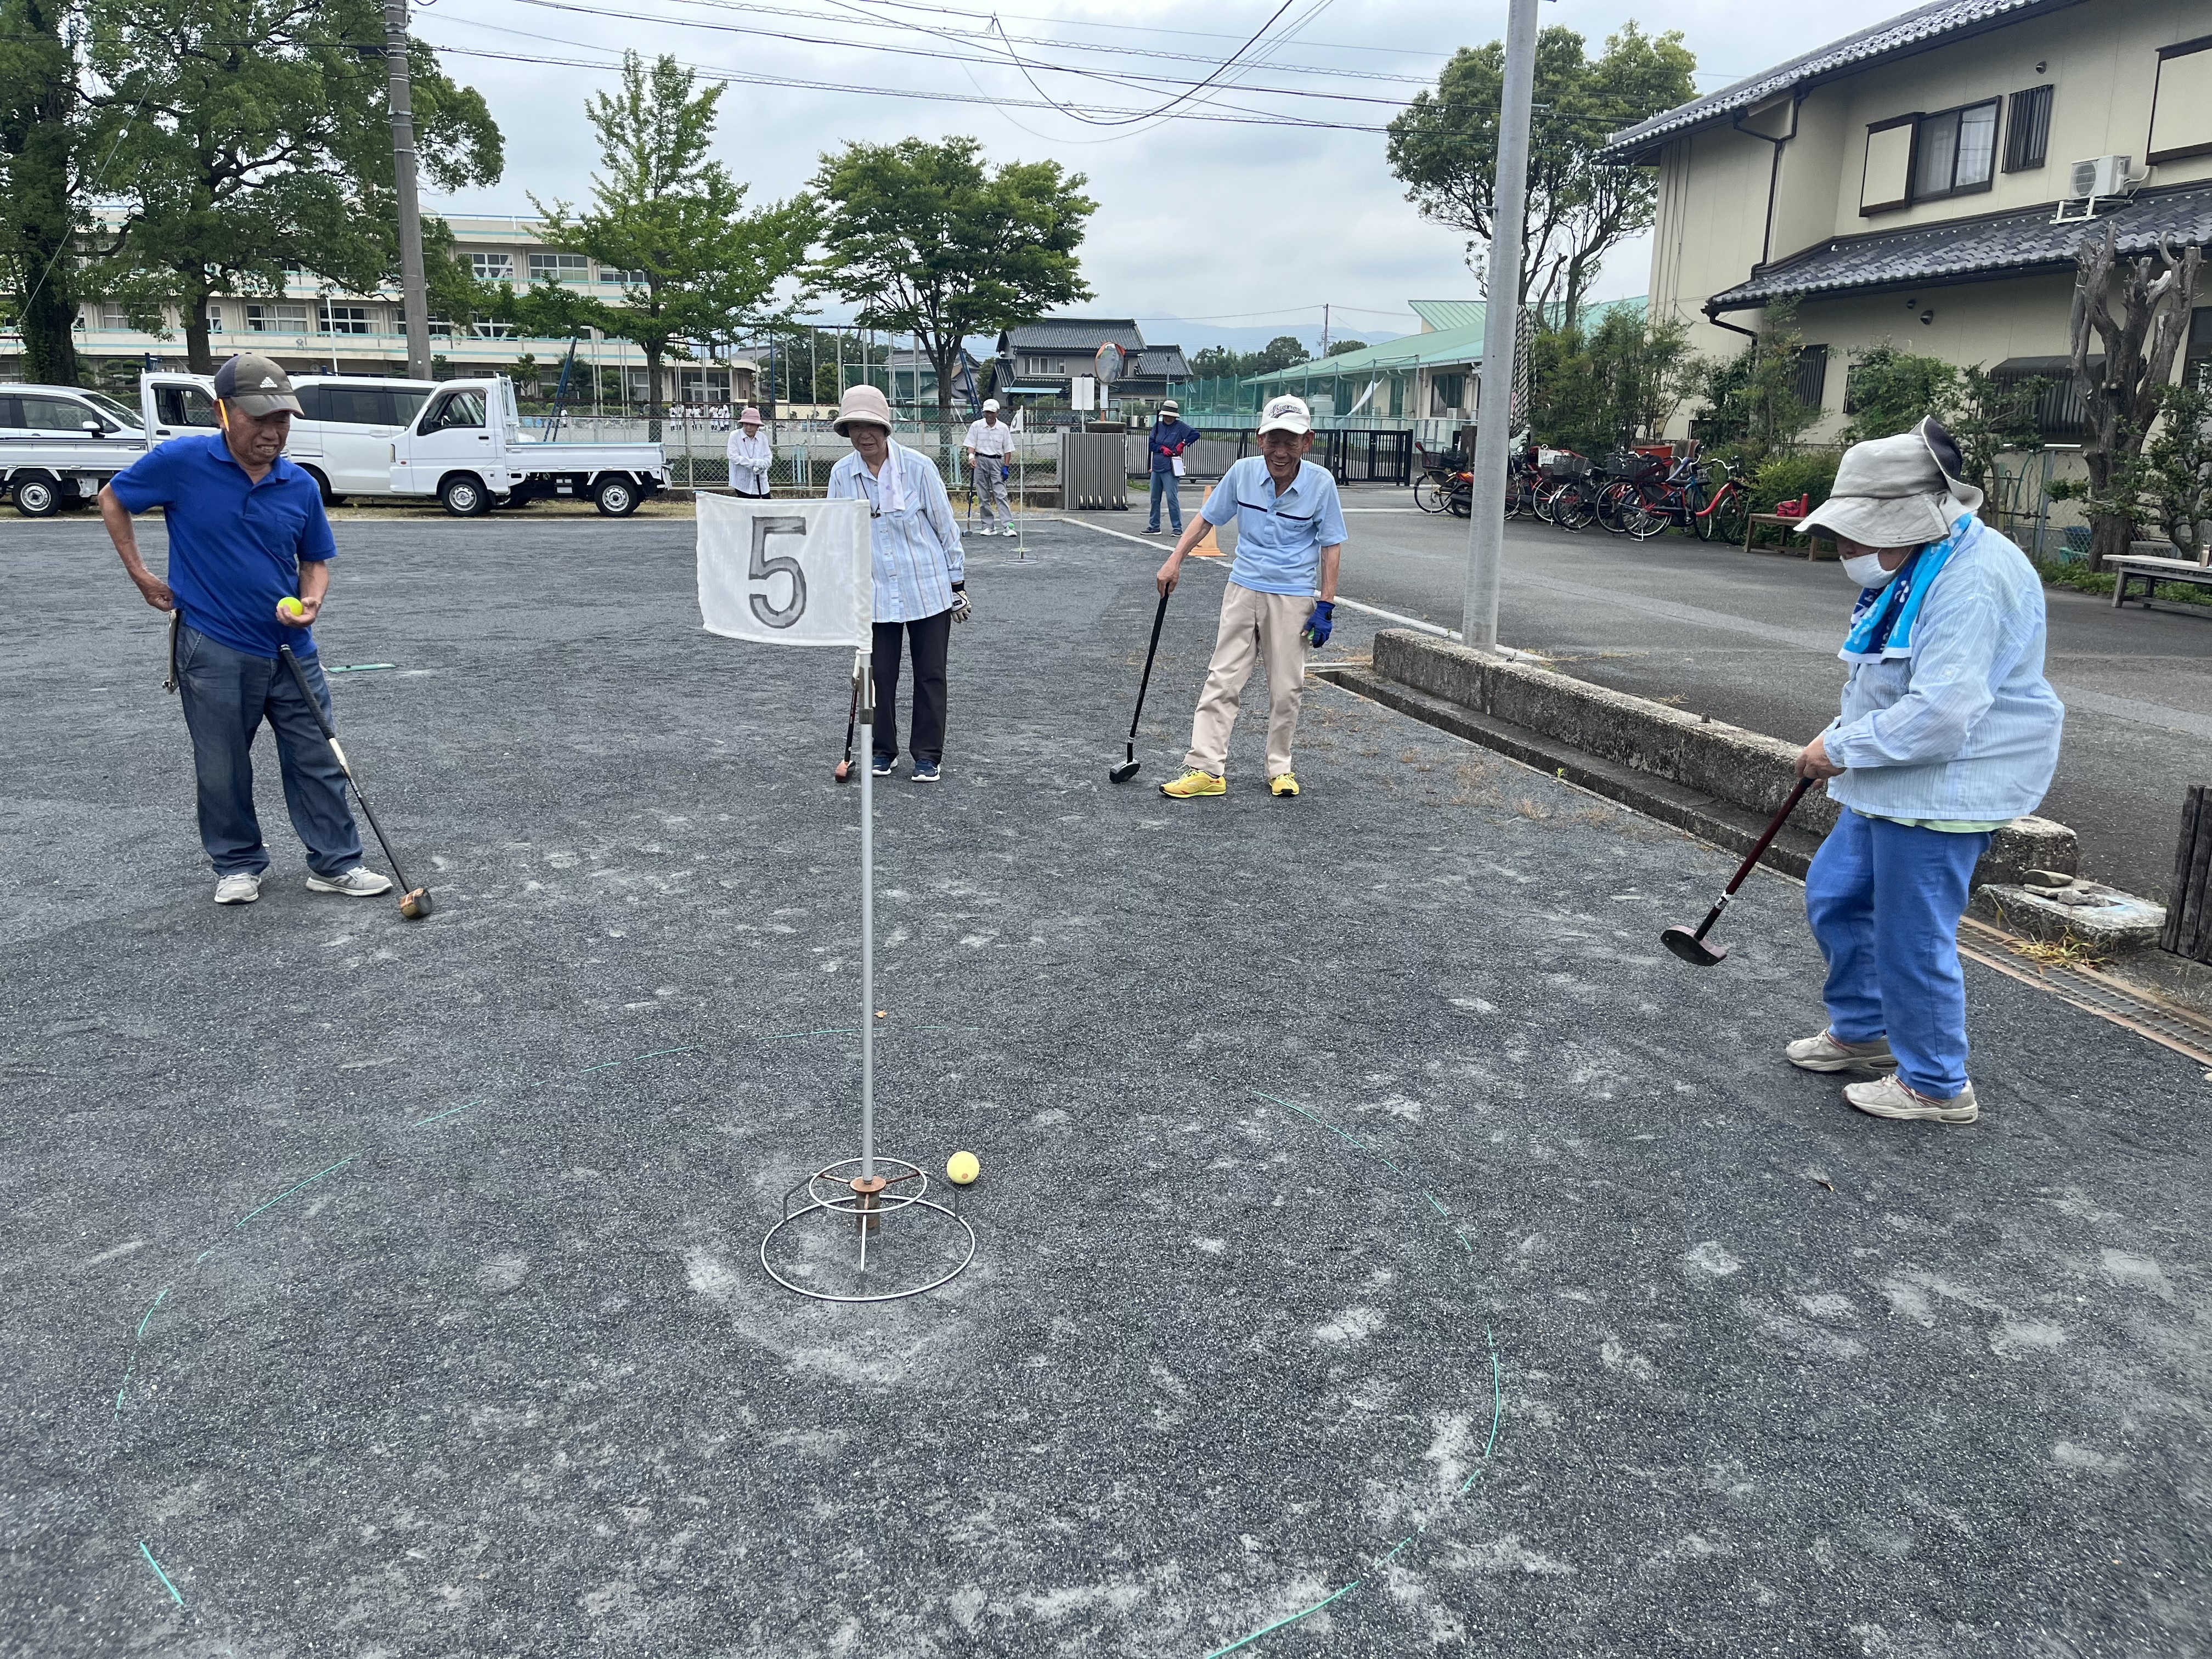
column 1036, row 365
column 1926, row 183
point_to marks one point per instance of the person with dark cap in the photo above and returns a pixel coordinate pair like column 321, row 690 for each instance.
column 1948, row 732
column 1169, row 438
column 249, row 568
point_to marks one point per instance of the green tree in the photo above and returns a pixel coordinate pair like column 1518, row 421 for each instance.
column 1620, row 383
column 695, row 266
column 255, row 137
column 40, row 124
column 2166, row 483
column 1443, row 147
column 927, row 242
column 1338, row 347
column 1750, row 400
column 1893, row 391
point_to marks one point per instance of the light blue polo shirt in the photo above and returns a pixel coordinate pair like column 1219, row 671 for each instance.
column 1278, row 536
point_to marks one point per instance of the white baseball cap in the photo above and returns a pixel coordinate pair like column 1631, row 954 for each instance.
column 990, row 405
column 1285, row 414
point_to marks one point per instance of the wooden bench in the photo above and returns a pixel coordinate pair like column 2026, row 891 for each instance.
column 2150, row 571
column 1816, row 547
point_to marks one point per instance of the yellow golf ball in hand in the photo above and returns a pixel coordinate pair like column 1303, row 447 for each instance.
column 291, row 609
column 962, row 1168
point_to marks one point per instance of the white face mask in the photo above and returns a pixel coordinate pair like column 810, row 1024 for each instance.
column 1864, row 570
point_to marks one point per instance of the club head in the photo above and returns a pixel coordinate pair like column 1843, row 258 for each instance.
column 1684, row 943
column 1125, row 771
column 415, row 904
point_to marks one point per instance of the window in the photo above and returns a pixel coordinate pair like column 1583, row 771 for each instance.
column 116, row 413
column 1952, row 152
column 344, row 319
column 2181, row 104
column 456, row 411
column 560, row 268
column 489, row 331
column 492, row 267
column 2196, row 357
column 359, row 405
column 2027, row 131
column 276, row 319
column 183, row 405
column 114, row 317
column 1447, row 393
column 1811, row 379
column 627, row 278
column 56, row 415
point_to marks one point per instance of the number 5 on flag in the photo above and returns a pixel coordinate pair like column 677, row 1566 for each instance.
column 797, row 573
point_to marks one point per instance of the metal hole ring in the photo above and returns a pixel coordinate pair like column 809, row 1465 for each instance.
column 844, row 1201
column 946, row 1277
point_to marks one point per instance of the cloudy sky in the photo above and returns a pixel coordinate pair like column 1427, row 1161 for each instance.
column 1230, row 227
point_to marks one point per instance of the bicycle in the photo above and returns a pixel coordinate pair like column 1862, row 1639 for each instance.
column 1563, row 495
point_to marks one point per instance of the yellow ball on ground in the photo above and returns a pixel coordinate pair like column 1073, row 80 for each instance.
column 290, row 608
column 962, row 1168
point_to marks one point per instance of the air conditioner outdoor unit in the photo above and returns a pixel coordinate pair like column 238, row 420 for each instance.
column 2107, row 175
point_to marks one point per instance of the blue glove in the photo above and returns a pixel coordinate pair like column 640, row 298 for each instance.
column 1004, row 471
column 1319, row 624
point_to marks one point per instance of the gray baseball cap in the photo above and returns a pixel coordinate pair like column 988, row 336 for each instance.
column 253, row 385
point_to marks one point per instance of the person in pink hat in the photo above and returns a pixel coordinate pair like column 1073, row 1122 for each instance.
column 751, row 455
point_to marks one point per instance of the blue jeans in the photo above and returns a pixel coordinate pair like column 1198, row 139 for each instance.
column 1166, row 483
column 227, row 695
column 1884, row 900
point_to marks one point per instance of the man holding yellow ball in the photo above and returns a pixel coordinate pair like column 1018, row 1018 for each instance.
column 250, row 549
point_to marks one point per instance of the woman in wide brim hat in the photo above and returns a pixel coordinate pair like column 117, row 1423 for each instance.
column 920, row 575
column 752, row 456
column 1948, row 732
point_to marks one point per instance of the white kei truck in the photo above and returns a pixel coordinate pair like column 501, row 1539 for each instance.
column 461, row 441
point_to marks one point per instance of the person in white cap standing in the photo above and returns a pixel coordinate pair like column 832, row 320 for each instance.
column 752, row 456
column 920, row 576
column 1169, row 438
column 990, row 441
column 1948, row 732
column 1280, row 600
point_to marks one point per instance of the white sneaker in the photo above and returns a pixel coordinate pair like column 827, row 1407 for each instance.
column 356, row 883
column 1830, row 1053
column 240, row 887
column 1890, row 1097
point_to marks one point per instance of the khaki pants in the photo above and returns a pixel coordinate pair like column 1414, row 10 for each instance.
column 1253, row 625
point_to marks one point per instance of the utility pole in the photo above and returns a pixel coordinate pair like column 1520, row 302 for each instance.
column 1485, row 539
column 414, row 297
column 1324, row 330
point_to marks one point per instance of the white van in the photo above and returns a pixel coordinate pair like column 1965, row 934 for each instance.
column 342, row 436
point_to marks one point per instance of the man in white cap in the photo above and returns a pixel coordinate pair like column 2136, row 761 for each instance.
column 990, row 441
column 752, row 456
column 1948, row 732
column 1280, row 600
column 920, row 574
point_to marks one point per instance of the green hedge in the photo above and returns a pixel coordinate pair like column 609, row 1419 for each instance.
column 1786, row 478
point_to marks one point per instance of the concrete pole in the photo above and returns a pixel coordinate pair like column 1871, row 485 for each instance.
column 1485, row 543
column 415, row 300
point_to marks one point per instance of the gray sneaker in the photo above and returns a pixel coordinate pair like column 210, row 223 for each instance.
column 239, row 887
column 1830, row 1053
column 1891, row 1097
column 356, row 883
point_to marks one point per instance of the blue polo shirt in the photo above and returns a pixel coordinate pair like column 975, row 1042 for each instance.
column 1278, row 538
column 235, row 547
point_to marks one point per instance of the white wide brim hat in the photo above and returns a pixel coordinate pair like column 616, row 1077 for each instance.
column 1903, row 491
column 863, row 403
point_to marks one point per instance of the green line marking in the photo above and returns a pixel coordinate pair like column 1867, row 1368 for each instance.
column 1395, row 1548
column 1295, row 1617
column 448, row 1112
column 1310, row 1118
column 1497, row 1393
column 655, row 1053
column 834, row 1030
column 288, row 1191
column 601, row 1066
column 1440, row 1209
column 158, row 1301
column 358, row 667
column 158, row 1574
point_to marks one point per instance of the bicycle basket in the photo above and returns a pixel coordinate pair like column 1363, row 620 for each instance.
column 1563, row 464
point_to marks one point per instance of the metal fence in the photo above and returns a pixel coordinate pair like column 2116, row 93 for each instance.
column 698, row 450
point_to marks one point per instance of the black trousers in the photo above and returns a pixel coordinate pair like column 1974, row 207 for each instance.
column 929, row 638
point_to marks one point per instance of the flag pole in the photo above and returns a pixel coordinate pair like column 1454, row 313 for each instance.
column 863, row 671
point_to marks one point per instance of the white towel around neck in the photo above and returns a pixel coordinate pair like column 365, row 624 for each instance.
column 890, row 483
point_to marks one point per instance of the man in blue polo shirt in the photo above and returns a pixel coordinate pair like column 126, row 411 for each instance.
column 246, row 531
column 1281, row 597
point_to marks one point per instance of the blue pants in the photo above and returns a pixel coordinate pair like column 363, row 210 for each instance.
column 227, row 695
column 1166, row 484
column 1884, row 900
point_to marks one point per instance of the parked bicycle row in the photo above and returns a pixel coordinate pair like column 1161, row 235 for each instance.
column 1629, row 492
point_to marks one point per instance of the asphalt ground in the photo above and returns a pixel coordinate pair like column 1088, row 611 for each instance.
column 1752, row 639
column 1372, row 1214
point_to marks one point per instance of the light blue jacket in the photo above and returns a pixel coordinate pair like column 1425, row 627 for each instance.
column 917, row 550
column 1967, row 728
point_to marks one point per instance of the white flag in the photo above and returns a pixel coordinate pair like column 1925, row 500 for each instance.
column 786, row 573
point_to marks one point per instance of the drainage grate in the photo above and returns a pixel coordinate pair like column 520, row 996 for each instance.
column 2177, row 1029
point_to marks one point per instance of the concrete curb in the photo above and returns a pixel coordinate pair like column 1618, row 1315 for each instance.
column 1718, row 780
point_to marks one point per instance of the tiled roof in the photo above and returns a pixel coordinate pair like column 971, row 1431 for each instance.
column 2004, row 244
column 1163, row 360
column 1073, row 334
column 1915, row 31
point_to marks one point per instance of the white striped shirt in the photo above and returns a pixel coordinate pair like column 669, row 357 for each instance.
column 917, row 550
column 1966, row 728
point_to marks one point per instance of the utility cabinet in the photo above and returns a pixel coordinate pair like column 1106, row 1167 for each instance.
column 1094, row 471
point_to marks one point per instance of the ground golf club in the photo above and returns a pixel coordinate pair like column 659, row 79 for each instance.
column 1128, row 768
column 414, row 901
column 1691, row 946
column 852, row 720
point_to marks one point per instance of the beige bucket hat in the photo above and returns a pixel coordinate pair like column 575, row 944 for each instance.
column 865, row 404
column 1903, row 491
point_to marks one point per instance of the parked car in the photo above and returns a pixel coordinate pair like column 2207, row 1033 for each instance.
column 468, row 447
column 58, row 444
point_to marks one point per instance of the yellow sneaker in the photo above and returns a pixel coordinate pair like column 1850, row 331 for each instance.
column 1194, row 783
column 1282, row 785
